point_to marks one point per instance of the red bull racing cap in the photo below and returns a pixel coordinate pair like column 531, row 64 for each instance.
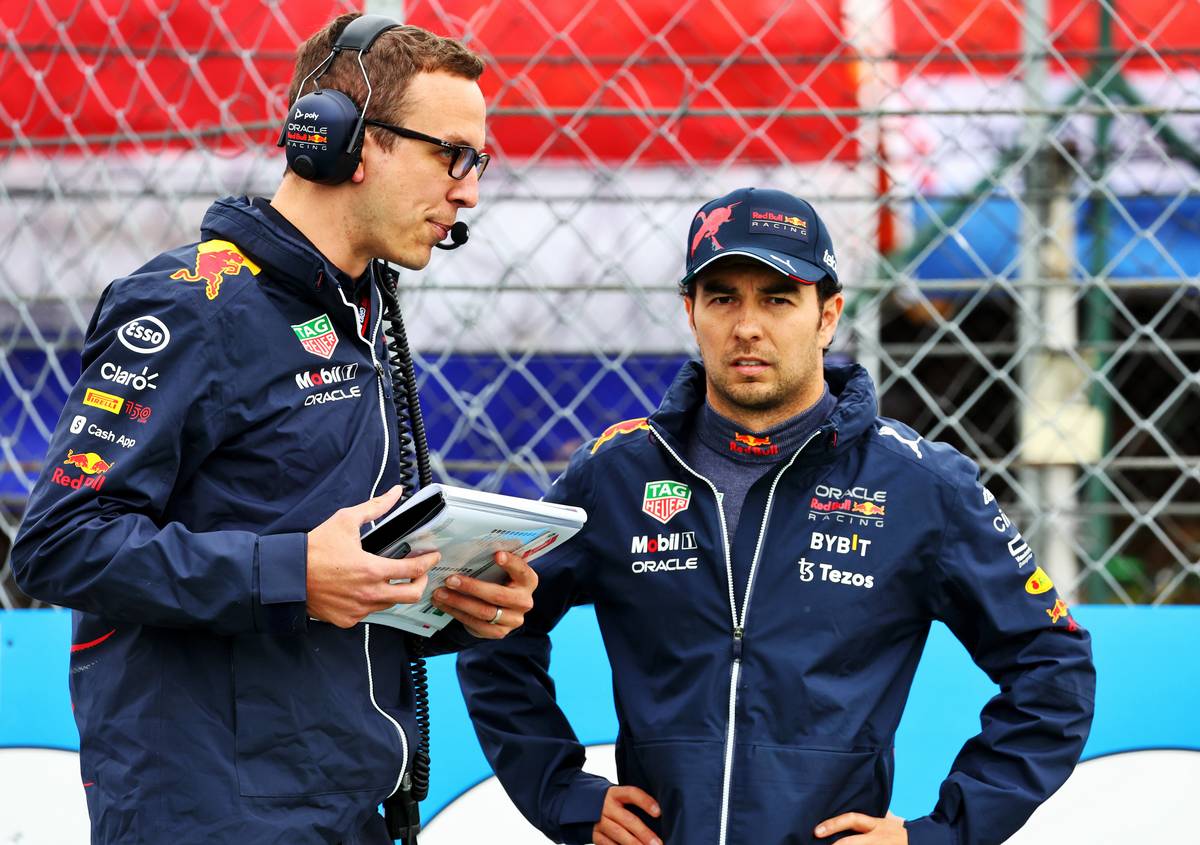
column 774, row 227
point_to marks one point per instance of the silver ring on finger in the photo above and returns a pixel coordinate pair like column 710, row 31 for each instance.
column 495, row 619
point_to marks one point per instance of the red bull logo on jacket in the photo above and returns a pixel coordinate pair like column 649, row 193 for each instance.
column 856, row 505
column 90, row 463
column 1059, row 611
column 616, row 429
column 214, row 261
column 748, row 444
column 665, row 499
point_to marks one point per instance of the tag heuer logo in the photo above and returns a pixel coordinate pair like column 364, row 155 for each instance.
column 317, row 336
column 664, row 499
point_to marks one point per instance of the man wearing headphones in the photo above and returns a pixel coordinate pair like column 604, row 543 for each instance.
column 765, row 555
column 232, row 433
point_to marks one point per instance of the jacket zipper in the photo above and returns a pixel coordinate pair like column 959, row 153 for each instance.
column 739, row 624
column 382, row 712
column 378, row 376
column 374, row 487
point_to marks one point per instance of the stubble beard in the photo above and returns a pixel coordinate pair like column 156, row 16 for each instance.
column 757, row 397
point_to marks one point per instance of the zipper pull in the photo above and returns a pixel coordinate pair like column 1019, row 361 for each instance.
column 738, row 636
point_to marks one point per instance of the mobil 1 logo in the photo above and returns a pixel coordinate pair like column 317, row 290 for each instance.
column 668, row 547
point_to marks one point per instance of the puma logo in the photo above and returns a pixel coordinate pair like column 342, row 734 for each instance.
column 888, row 431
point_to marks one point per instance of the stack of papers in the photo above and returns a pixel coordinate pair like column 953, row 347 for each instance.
column 468, row 527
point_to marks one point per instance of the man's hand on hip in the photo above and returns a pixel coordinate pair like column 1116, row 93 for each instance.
column 490, row 610
column 618, row 826
column 889, row 830
column 344, row 582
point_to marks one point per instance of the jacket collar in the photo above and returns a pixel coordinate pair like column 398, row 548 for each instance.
column 853, row 415
column 236, row 220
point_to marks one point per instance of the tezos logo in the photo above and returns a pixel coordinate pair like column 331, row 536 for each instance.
column 664, row 499
column 830, row 260
column 145, row 335
column 835, row 576
column 119, row 375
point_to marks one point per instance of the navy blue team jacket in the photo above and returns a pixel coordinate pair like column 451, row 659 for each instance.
column 751, row 724
column 233, row 396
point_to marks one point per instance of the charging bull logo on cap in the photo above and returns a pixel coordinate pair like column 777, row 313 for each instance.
column 711, row 223
column 214, row 261
column 664, row 499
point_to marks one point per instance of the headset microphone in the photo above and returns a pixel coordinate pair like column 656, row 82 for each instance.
column 459, row 233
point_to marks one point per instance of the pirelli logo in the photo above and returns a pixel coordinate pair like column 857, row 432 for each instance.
column 103, row 401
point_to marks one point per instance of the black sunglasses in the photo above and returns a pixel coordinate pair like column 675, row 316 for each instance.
column 461, row 162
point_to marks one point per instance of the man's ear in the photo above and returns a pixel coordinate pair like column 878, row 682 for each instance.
column 689, row 305
column 370, row 154
column 831, row 313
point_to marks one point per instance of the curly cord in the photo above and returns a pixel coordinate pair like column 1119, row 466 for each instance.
column 402, row 811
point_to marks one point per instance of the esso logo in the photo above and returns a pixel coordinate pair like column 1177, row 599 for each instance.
column 145, row 335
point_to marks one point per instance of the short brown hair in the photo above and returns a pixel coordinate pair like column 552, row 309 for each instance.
column 399, row 55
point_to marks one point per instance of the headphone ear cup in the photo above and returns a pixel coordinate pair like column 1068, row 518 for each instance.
column 319, row 137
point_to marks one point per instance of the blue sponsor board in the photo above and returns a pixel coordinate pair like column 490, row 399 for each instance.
column 1148, row 237
column 1147, row 695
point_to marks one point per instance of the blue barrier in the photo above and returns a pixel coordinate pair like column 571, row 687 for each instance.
column 1148, row 695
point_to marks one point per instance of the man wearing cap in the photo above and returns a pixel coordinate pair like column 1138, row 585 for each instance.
column 766, row 555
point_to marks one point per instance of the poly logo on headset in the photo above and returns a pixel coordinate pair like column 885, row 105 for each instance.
column 307, row 134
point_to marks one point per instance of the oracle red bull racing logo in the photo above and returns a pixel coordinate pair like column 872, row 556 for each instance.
column 625, row 427
column 214, row 261
column 664, row 499
column 304, row 134
column 854, row 506
column 90, row 464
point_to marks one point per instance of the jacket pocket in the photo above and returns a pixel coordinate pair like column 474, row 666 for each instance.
column 684, row 776
column 780, row 794
column 305, row 724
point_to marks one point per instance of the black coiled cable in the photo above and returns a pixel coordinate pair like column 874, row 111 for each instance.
column 402, row 810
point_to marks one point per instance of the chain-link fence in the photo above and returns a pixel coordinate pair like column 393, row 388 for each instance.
column 1012, row 188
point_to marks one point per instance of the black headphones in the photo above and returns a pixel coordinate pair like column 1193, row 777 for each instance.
column 323, row 133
